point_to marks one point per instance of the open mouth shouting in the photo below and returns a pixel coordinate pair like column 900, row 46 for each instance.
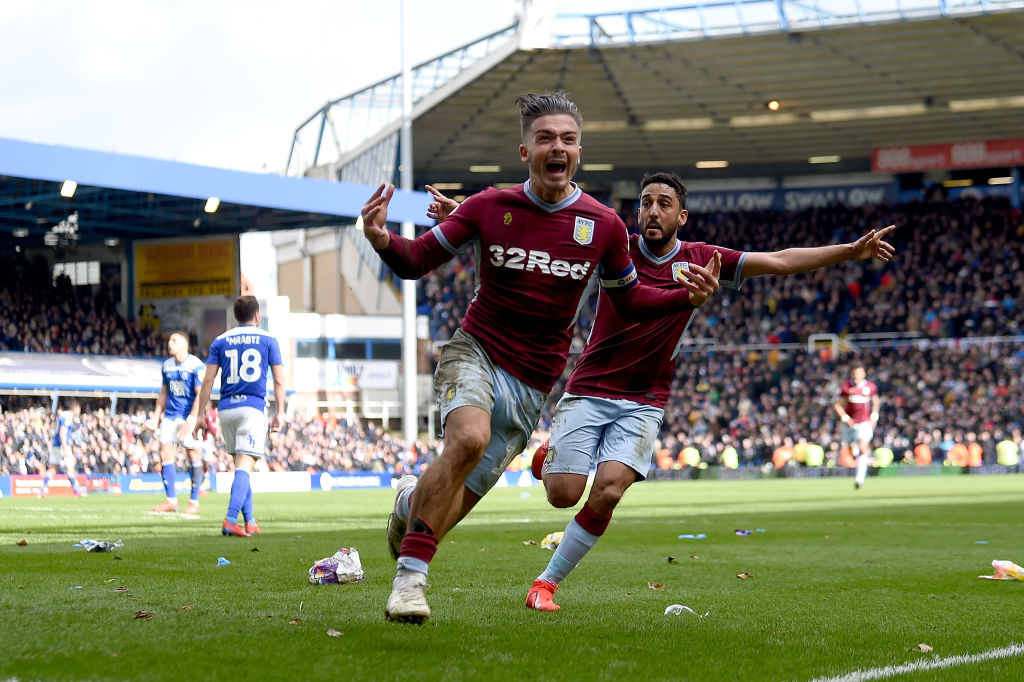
column 557, row 167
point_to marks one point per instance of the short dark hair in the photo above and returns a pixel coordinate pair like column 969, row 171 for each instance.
column 532, row 107
column 181, row 333
column 246, row 308
column 670, row 179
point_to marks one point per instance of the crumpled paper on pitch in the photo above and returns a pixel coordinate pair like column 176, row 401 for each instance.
column 552, row 540
column 1004, row 570
column 342, row 567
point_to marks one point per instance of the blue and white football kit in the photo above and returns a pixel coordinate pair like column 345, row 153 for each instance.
column 182, row 381
column 244, row 355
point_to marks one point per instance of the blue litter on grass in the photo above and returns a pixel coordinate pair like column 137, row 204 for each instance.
column 743, row 532
column 76, row 587
column 221, row 561
column 760, row 530
column 981, row 542
column 691, row 536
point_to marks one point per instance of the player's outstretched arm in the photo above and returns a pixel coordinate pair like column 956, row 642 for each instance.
column 797, row 260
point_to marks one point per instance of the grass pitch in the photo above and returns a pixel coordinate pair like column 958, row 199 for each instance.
column 842, row 581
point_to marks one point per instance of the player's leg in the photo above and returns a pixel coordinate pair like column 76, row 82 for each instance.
column 232, row 425
column 488, row 416
column 240, row 490
column 195, row 464
column 861, row 442
column 624, row 455
column 70, row 471
column 168, row 470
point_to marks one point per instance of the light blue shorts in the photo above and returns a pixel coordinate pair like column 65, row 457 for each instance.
column 244, row 430
column 465, row 377
column 586, row 431
column 858, row 433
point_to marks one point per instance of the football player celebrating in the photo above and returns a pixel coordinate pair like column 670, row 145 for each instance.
column 615, row 399
column 539, row 244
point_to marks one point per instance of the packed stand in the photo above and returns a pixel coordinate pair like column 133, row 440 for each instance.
column 121, row 443
column 40, row 315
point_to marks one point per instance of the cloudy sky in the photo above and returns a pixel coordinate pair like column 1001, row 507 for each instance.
column 215, row 82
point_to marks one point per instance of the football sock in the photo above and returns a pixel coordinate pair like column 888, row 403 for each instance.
column 169, row 473
column 404, row 503
column 862, row 468
column 247, row 506
column 197, row 479
column 46, row 483
column 580, row 535
column 418, row 547
column 74, row 483
column 239, row 490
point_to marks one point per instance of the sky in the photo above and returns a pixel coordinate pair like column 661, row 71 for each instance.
column 215, row 82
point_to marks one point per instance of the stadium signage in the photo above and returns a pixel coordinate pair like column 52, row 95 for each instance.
column 984, row 154
column 795, row 199
column 181, row 269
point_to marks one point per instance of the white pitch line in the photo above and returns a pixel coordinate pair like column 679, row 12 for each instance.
column 935, row 663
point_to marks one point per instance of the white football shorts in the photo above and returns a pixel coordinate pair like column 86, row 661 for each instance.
column 244, row 430
column 169, row 427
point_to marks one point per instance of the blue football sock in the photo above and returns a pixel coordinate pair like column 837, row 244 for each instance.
column 247, row 507
column 46, row 484
column 575, row 543
column 74, row 483
column 239, row 491
column 197, row 479
column 168, row 472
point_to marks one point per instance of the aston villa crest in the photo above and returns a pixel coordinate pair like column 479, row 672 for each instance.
column 678, row 269
column 584, row 231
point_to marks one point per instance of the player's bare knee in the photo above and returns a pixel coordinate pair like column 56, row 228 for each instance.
column 563, row 496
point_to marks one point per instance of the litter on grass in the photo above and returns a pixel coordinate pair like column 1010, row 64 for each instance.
column 221, row 561
column 1004, row 570
column 691, row 536
column 342, row 567
column 551, row 540
column 678, row 609
column 99, row 545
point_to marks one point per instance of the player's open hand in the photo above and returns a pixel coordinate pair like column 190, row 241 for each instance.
column 276, row 421
column 871, row 245
column 441, row 207
column 703, row 281
column 375, row 217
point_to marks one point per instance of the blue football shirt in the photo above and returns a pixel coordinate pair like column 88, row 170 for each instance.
column 182, row 380
column 244, row 355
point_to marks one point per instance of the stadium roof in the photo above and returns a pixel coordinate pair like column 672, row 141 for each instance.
column 128, row 197
column 666, row 88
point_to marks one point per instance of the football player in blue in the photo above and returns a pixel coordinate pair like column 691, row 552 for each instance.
column 242, row 356
column 61, row 457
column 176, row 416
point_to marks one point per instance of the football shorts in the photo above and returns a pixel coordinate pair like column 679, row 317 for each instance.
column 466, row 376
column 244, row 430
column 586, row 431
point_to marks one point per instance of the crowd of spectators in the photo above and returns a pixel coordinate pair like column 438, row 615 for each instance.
column 957, row 276
column 120, row 442
column 42, row 314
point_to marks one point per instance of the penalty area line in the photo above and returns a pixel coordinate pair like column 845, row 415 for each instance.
column 935, row 663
